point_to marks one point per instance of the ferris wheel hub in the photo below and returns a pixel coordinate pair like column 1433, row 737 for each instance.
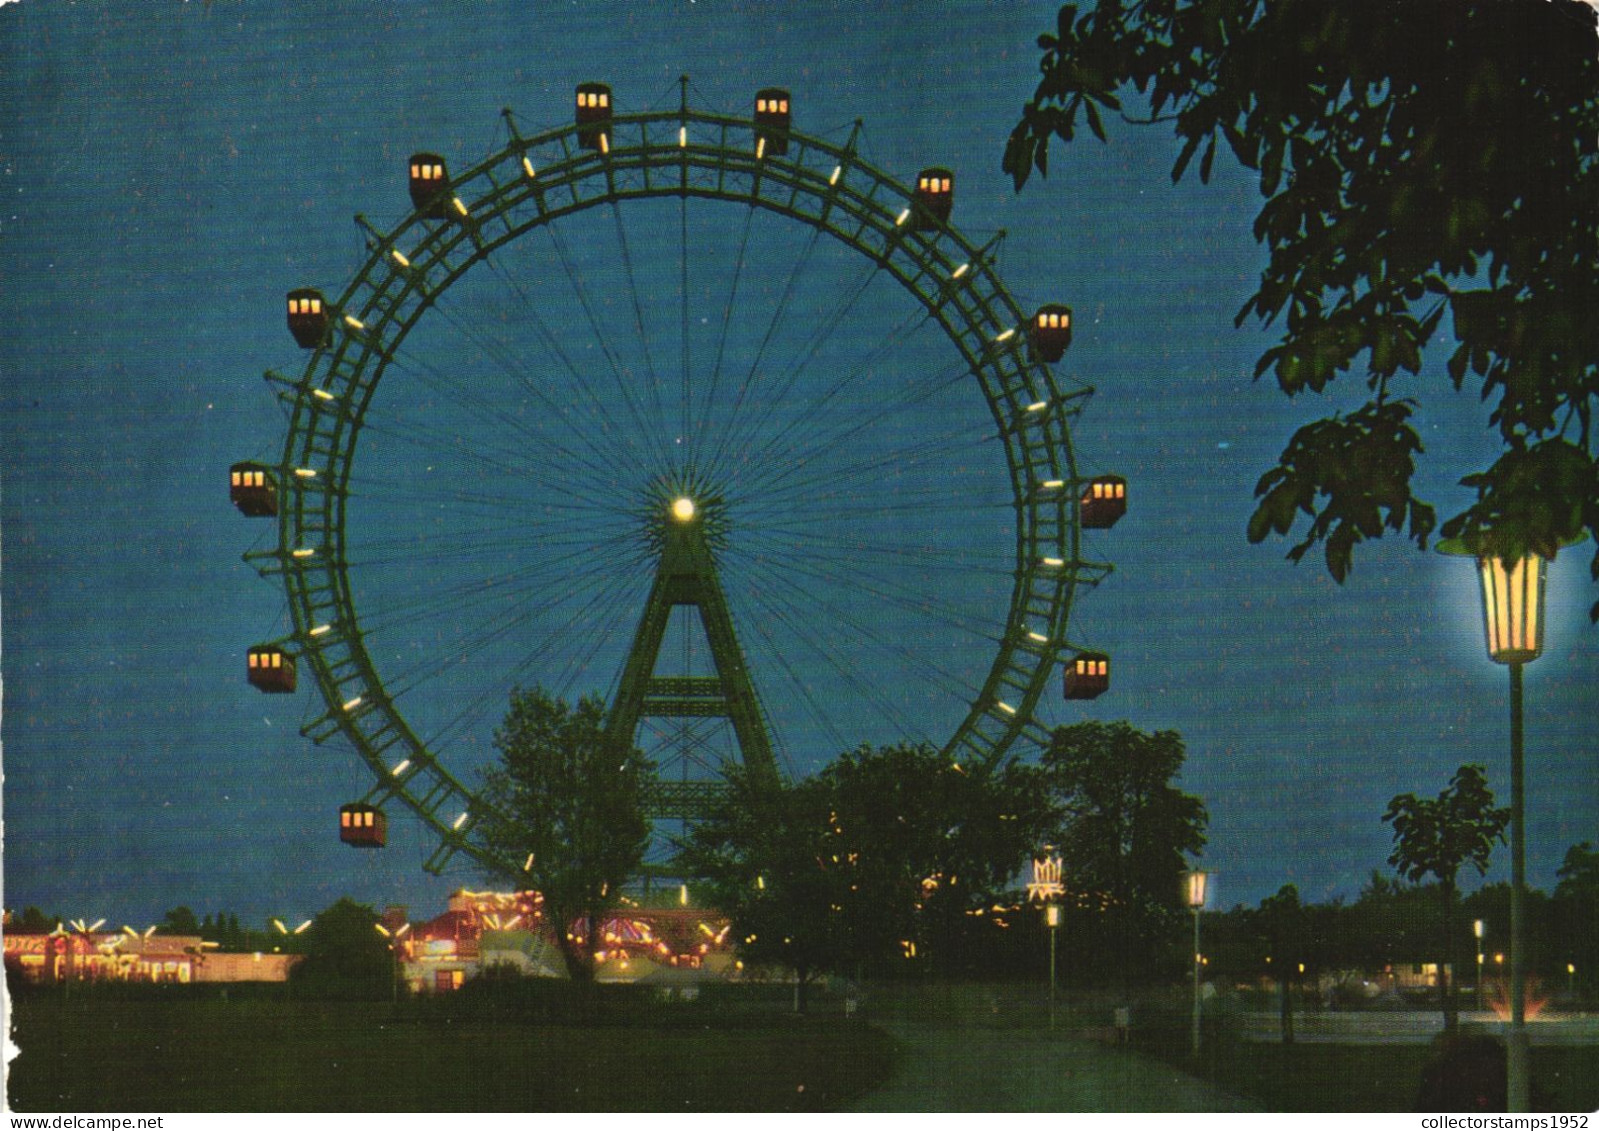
column 683, row 509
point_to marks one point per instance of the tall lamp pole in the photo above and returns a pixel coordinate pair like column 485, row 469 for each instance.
column 1513, row 618
column 393, row 938
column 1477, row 929
column 1052, row 918
column 1194, row 888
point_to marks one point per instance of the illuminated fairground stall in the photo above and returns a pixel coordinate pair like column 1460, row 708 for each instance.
column 482, row 929
column 81, row 952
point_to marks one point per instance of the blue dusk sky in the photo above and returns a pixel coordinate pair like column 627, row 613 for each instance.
column 168, row 171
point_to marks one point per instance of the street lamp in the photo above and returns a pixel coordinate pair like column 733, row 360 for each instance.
column 1194, row 888
column 393, row 938
column 1052, row 919
column 1479, row 928
column 1513, row 619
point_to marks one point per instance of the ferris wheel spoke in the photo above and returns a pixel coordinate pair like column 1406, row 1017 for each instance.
column 777, row 396
column 407, row 496
column 779, row 659
column 638, row 313
column 498, row 688
column 697, row 444
column 596, row 461
column 608, row 425
column 513, row 463
column 894, row 591
column 716, row 462
column 858, row 547
column 805, row 428
column 797, row 614
column 869, row 469
column 522, row 581
column 648, row 434
column 820, row 446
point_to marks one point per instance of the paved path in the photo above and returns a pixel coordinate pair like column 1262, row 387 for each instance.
column 993, row 1069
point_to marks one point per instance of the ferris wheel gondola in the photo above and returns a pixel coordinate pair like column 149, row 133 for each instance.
column 818, row 511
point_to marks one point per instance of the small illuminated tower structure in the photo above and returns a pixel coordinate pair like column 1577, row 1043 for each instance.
column 685, row 524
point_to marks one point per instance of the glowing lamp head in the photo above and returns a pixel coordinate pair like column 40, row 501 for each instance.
column 683, row 508
column 1512, row 603
column 1194, row 888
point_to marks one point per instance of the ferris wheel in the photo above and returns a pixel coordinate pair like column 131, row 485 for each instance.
column 643, row 433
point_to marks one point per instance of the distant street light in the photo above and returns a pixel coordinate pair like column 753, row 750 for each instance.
column 393, row 938
column 1052, row 918
column 1513, row 618
column 1478, row 928
column 1194, row 887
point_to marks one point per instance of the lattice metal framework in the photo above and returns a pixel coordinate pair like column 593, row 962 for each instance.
column 532, row 181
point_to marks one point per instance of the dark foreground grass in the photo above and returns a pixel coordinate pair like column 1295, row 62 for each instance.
column 94, row 1055
column 1318, row 1077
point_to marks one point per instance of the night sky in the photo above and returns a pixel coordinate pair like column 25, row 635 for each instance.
column 169, row 170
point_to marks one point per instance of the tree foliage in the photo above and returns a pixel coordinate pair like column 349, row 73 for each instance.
column 562, row 798
column 1125, row 828
column 1415, row 161
column 1436, row 837
column 879, row 857
column 344, row 956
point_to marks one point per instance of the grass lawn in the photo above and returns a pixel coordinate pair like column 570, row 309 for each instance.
column 101, row 1054
column 1338, row 1078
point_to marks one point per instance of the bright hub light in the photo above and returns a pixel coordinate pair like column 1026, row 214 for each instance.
column 683, row 509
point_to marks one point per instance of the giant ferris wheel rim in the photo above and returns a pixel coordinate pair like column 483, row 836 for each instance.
column 533, row 181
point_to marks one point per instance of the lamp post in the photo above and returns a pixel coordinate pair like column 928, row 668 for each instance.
column 1194, row 888
column 1052, row 919
column 1513, row 618
column 1477, row 929
column 393, row 938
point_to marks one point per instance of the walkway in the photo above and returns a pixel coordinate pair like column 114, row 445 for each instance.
column 991, row 1069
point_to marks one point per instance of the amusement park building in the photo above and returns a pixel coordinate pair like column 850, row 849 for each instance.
column 483, row 929
column 117, row 956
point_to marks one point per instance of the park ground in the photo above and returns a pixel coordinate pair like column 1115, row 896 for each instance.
column 963, row 1048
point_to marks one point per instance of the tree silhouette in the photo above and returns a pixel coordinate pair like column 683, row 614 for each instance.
column 1125, row 830
column 1422, row 166
column 1434, row 838
column 570, row 804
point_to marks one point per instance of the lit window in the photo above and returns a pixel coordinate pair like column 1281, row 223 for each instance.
column 782, row 106
column 255, row 660
column 416, row 172
column 236, row 478
column 760, row 105
column 316, row 306
column 1104, row 667
column 1121, row 490
column 922, row 184
column 344, row 820
column 605, row 99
